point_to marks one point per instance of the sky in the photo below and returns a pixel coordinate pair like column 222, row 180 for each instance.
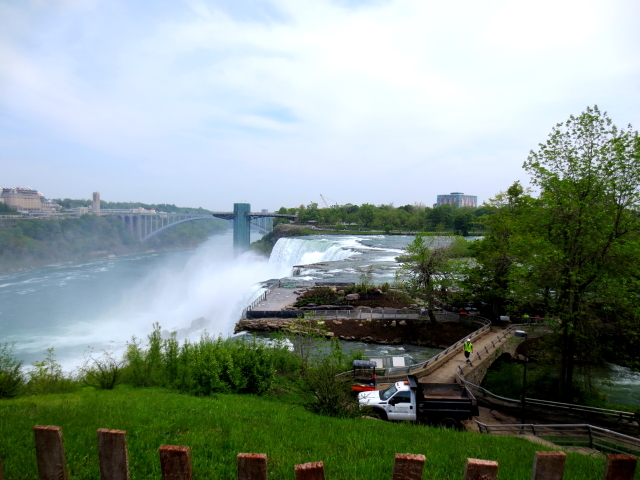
column 274, row 102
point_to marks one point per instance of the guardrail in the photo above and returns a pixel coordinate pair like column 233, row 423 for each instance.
column 584, row 435
column 529, row 402
column 442, row 356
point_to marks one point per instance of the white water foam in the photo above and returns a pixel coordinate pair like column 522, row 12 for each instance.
column 298, row 251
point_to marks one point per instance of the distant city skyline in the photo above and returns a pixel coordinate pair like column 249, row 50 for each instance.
column 204, row 103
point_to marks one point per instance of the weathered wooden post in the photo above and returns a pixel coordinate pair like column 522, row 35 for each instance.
column 175, row 462
column 549, row 466
column 252, row 466
column 408, row 466
column 620, row 467
column 481, row 470
column 310, row 471
column 52, row 464
column 112, row 452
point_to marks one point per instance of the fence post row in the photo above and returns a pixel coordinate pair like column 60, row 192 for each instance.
column 175, row 462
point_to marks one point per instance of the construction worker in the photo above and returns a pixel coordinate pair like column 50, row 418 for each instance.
column 468, row 349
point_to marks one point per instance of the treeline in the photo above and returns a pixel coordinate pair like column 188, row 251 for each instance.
column 387, row 218
column 7, row 210
column 68, row 203
column 38, row 242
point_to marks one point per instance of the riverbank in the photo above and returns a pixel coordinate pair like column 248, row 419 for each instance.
column 385, row 332
column 35, row 243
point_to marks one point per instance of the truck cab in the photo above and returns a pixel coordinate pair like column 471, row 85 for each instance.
column 434, row 403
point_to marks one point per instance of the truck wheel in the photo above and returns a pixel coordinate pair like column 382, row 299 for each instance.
column 449, row 422
column 381, row 414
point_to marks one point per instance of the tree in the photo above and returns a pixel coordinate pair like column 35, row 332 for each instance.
column 427, row 267
column 365, row 213
column 584, row 229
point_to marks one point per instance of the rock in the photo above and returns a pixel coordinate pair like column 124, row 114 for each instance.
column 384, row 324
column 337, row 322
column 360, row 325
column 366, row 339
column 340, row 292
column 403, row 323
column 330, row 334
column 393, row 324
column 352, row 296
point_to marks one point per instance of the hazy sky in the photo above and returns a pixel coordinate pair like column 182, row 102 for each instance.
column 273, row 102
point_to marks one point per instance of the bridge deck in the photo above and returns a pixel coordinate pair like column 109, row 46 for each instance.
column 446, row 373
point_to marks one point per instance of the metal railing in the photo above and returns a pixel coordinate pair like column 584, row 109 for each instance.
column 581, row 435
column 442, row 356
column 533, row 402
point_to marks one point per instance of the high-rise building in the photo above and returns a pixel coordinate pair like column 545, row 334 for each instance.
column 23, row 198
column 457, row 197
column 96, row 203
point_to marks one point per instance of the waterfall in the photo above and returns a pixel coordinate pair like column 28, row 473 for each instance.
column 288, row 252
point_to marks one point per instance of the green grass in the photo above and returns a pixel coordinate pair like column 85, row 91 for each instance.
column 217, row 428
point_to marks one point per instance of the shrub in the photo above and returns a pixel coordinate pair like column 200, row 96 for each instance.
column 47, row 377
column 104, row 372
column 11, row 377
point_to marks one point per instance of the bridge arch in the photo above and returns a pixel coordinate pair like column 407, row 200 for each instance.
column 173, row 224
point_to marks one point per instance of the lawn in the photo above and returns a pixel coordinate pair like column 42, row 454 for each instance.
column 217, row 428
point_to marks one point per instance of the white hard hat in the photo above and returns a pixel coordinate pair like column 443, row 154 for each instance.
column 468, row 339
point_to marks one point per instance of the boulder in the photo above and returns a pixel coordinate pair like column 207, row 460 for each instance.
column 352, row 297
column 393, row 324
column 403, row 323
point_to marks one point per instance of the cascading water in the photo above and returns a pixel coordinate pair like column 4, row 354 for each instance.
column 288, row 252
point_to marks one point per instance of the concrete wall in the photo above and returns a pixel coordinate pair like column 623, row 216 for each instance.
column 476, row 373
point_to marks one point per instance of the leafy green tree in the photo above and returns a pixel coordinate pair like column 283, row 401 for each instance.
column 366, row 215
column 428, row 267
column 11, row 377
column 583, row 242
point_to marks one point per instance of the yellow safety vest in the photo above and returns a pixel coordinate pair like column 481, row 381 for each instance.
column 468, row 347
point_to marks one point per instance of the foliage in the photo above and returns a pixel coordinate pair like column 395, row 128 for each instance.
column 46, row 376
column 7, row 209
column 104, row 372
column 325, row 392
column 304, row 333
column 11, row 377
column 427, row 267
column 33, row 242
column 573, row 253
column 211, row 365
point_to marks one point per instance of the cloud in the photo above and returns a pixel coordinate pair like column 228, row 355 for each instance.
column 353, row 94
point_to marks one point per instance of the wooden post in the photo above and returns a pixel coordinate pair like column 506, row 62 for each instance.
column 480, row 470
column 549, row 466
column 112, row 452
column 175, row 463
column 310, row 471
column 408, row 467
column 620, row 467
column 252, row 466
column 52, row 464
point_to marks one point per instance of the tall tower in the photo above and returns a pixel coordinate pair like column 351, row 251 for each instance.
column 96, row 203
column 241, row 227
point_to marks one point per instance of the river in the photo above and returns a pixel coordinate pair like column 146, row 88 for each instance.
column 104, row 302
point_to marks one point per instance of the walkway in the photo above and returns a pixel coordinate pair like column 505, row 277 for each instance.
column 446, row 373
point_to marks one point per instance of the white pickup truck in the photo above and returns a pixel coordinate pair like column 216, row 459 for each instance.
column 434, row 403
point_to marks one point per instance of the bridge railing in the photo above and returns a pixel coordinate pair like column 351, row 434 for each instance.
column 445, row 354
column 583, row 435
column 483, row 393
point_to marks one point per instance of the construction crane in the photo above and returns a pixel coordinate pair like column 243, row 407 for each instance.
column 326, row 205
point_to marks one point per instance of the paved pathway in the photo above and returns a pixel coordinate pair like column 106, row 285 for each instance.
column 279, row 298
column 446, row 373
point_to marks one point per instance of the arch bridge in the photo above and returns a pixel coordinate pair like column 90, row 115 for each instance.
column 144, row 225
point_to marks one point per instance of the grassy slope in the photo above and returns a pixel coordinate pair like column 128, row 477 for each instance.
column 217, row 429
